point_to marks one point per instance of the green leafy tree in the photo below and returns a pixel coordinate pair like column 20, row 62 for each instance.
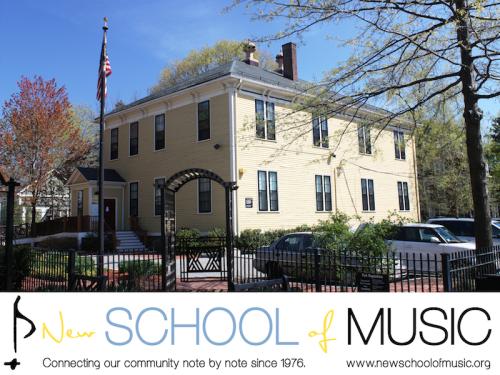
column 443, row 177
column 446, row 49
column 199, row 61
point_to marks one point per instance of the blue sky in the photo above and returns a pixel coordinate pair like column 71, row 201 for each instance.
column 61, row 39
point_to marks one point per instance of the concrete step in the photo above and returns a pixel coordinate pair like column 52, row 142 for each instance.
column 128, row 241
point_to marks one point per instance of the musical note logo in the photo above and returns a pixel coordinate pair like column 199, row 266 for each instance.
column 327, row 323
column 18, row 315
column 13, row 364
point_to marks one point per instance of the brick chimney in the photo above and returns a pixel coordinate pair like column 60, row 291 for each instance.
column 290, row 61
column 249, row 48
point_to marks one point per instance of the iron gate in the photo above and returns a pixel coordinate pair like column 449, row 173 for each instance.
column 203, row 257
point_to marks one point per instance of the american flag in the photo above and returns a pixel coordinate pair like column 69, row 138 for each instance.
column 104, row 70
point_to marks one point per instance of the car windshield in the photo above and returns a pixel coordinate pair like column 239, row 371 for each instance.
column 447, row 235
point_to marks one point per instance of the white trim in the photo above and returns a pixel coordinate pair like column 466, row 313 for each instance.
column 154, row 193
column 168, row 97
column 233, row 161
column 164, row 132
column 198, row 197
column 196, row 136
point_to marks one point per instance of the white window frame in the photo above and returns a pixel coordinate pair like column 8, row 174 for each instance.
column 265, row 101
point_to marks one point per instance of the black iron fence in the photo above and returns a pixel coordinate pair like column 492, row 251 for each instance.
column 328, row 271
column 311, row 270
column 63, row 270
column 473, row 270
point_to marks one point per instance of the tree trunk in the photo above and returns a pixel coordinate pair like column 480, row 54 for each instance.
column 472, row 116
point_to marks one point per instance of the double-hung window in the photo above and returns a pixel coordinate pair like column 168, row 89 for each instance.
column 367, row 194
column 404, row 198
column 204, row 195
column 399, row 145
column 158, row 183
column 323, row 193
column 265, row 121
column 320, row 131
column 134, row 199
column 114, row 144
column 134, row 138
column 159, row 132
column 268, row 191
column 79, row 203
column 364, row 140
column 204, row 120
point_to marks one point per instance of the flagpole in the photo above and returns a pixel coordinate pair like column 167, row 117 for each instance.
column 101, row 147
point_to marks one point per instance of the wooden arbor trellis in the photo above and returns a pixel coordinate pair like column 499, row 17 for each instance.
column 173, row 185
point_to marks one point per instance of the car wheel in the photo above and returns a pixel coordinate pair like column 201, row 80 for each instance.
column 273, row 270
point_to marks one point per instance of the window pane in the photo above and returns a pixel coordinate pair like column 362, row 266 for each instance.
column 324, row 132
column 406, row 196
column 114, row 144
column 159, row 132
column 134, row 196
column 260, row 130
column 402, row 149
column 79, row 207
column 273, row 191
column 364, row 194
column 396, row 145
column 158, row 195
column 134, row 138
column 316, row 132
column 400, row 196
column 361, row 139
column 271, row 126
column 319, row 193
column 368, row 140
column 203, row 120
column 204, row 195
column 328, row 194
column 371, row 195
column 262, row 191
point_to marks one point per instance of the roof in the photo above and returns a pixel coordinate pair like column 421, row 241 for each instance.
column 91, row 174
column 240, row 69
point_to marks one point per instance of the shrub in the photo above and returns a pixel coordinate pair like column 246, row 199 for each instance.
column 187, row 233
column 21, row 266
column 139, row 268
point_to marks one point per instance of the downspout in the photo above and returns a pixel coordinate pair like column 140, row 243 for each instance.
column 233, row 165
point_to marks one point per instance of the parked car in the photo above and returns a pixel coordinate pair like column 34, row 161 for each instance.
column 293, row 255
column 419, row 246
column 463, row 228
